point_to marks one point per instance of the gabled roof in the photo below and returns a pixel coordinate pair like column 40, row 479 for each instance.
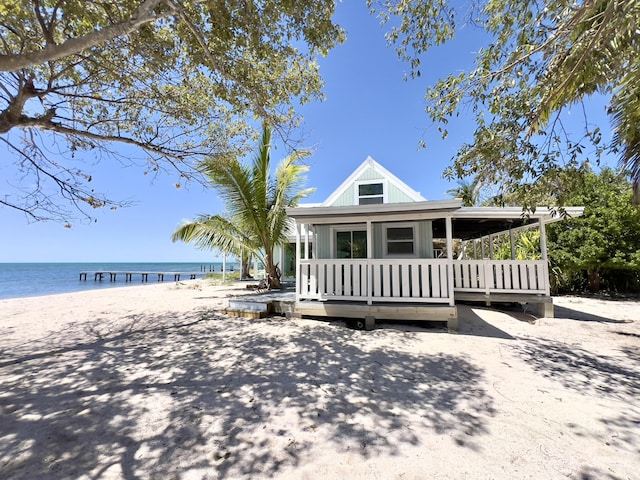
column 386, row 174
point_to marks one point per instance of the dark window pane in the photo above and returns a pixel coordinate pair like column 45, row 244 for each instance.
column 370, row 200
column 351, row 244
column 400, row 248
column 343, row 244
column 359, row 247
column 370, row 189
column 400, row 233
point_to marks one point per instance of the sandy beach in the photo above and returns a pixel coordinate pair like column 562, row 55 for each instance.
column 157, row 382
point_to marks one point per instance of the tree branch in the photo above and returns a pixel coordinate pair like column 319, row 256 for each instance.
column 215, row 64
column 144, row 14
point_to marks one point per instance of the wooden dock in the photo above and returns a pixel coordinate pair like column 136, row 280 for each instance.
column 100, row 276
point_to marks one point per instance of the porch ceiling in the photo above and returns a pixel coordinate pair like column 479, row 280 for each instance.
column 468, row 228
column 476, row 222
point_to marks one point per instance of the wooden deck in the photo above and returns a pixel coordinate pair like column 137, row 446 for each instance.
column 284, row 302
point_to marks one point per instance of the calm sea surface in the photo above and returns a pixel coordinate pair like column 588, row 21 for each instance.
column 35, row 279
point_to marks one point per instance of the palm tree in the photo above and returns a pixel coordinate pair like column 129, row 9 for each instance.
column 595, row 48
column 467, row 191
column 625, row 114
column 256, row 201
column 217, row 232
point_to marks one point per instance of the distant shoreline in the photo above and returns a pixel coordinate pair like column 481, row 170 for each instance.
column 27, row 280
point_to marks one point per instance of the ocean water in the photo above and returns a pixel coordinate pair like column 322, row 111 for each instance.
column 19, row 280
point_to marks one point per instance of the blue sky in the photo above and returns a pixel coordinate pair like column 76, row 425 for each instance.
column 369, row 111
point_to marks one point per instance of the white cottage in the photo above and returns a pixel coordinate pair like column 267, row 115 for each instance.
column 377, row 249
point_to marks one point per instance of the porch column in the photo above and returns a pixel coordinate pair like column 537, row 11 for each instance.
column 513, row 244
column 224, row 267
column 298, row 270
column 306, row 241
column 369, row 257
column 449, row 228
column 545, row 309
column 543, row 239
column 543, row 252
column 491, row 247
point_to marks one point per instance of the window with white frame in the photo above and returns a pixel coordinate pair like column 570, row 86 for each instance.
column 370, row 193
column 400, row 240
column 351, row 244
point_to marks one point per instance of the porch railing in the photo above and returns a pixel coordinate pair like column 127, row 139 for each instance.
column 501, row 276
column 416, row 280
column 374, row 280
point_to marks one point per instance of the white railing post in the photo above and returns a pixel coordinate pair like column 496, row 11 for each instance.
column 543, row 252
column 487, row 267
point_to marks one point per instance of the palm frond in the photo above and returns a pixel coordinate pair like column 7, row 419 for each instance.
column 256, row 201
column 215, row 232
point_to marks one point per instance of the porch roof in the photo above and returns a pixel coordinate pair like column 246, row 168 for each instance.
column 376, row 212
column 476, row 222
column 468, row 222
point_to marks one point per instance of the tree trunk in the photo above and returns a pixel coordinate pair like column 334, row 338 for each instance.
column 593, row 277
column 273, row 277
column 246, row 268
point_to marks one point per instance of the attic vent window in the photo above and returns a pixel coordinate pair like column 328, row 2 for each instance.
column 370, row 193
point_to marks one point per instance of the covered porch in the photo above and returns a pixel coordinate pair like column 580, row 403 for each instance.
column 414, row 260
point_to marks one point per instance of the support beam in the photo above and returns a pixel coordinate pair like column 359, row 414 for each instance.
column 512, row 241
column 224, row 266
column 298, row 254
column 543, row 252
column 369, row 322
column 545, row 310
column 369, row 278
column 543, row 240
column 449, row 228
column 306, row 242
column 452, row 322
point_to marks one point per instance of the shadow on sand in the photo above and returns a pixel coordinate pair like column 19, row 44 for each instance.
column 582, row 370
column 470, row 323
column 595, row 375
column 564, row 312
column 234, row 398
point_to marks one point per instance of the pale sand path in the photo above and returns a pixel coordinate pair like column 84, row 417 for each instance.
column 153, row 382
